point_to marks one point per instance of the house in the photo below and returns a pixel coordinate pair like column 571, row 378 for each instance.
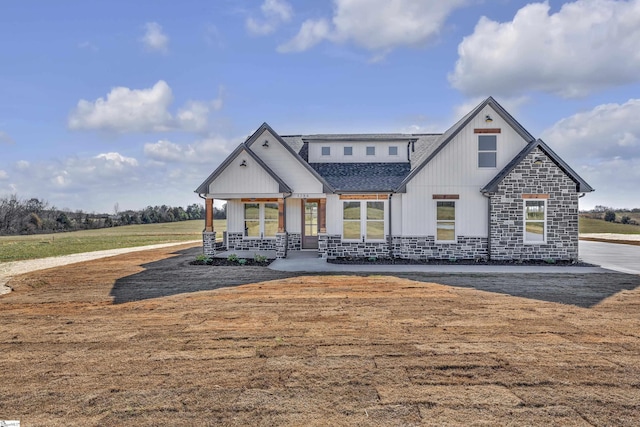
column 484, row 189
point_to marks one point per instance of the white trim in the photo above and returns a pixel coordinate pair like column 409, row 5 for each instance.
column 455, row 221
column 543, row 221
column 478, row 151
column 260, row 220
column 363, row 221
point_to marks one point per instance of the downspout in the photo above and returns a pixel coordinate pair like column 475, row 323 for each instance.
column 488, row 196
column 390, row 228
column 205, row 215
column 284, row 214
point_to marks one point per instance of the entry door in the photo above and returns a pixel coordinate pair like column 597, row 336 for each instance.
column 310, row 225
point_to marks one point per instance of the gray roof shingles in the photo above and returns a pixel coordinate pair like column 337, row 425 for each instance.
column 366, row 177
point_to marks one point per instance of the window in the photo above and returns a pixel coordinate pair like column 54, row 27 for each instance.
column 363, row 219
column 371, row 151
column 348, row 151
column 446, row 221
column 393, row 151
column 487, row 151
column 326, row 151
column 535, row 221
column 260, row 220
column 351, row 220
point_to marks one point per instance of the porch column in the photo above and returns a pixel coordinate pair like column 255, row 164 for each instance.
column 322, row 215
column 208, row 215
column 280, row 215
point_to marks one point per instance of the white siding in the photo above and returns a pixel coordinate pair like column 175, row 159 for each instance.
column 359, row 152
column 334, row 214
column 244, row 179
column 283, row 164
column 294, row 215
column 455, row 171
column 396, row 214
column 235, row 216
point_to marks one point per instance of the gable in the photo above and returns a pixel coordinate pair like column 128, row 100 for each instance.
column 476, row 120
column 526, row 156
column 243, row 173
column 285, row 162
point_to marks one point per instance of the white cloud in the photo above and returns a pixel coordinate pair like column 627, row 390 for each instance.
column 115, row 161
column 311, row 33
column 154, row 39
column 88, row 46
column 603, row 146
column 3, row 175
column 142, row 110
column 376, row 25
column 22, row 165
column 274, row 12
column 587, row 45
column 210, row 150
column 5, row 138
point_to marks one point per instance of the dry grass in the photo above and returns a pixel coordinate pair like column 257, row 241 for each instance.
column 311, row 351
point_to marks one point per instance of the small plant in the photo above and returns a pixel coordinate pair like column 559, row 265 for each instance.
column 242, row 261
column 232, row 258
column 550, row 261
column 372, row 259
column 202, row 258
column 260, row 258
column 453, row 259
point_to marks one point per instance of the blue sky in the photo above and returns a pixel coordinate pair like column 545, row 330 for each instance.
column 135, row 103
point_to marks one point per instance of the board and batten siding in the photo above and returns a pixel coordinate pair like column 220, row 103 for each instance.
column 283, row 164
column 359, row 152
column 294, row 215
column 249, row 179
column 454, row 170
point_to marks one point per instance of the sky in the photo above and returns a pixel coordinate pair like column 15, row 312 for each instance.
column 107, row 103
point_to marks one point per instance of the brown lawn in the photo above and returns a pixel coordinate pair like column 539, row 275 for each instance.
column 312, row 351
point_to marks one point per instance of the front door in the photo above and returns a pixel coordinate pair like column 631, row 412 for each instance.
column 310, row 225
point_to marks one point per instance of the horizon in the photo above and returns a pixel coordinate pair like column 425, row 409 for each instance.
column 101, row 107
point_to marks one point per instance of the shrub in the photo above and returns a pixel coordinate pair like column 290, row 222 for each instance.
column 625, row 219
column 610, row 216
column 232, row 258
column 372, row 259
column 242, row 261
column 260, row 258
column 550, row 261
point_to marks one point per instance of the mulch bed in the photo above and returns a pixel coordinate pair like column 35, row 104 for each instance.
column 223, row 262
column 401, row 261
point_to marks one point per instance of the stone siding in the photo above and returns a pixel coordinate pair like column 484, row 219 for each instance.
column 295, row 241
column 237, row 242
column 507, row 212
column 425, row 247
column 331, row 246
column 209, row 245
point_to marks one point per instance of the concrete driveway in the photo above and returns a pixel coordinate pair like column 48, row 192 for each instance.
column 612, row 256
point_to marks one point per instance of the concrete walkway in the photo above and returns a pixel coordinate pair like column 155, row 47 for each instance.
column 303, row 261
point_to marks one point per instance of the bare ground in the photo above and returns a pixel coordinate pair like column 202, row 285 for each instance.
column 146, row 339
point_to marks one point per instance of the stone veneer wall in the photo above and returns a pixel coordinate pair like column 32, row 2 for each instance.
column 425, row 247
column 237, row 242
column 331, row 246
column 295, row 241
column 507, row 212
column 209, row 244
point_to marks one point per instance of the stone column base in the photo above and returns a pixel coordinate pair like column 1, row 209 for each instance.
column 209, row 243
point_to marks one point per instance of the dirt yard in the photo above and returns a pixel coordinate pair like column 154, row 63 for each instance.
column 146, row 339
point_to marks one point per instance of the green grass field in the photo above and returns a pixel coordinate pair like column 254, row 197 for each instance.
column 589, row 225
column 14, row 248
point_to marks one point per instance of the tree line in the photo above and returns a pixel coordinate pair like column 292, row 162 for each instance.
column 31, row 216
column 623, row 216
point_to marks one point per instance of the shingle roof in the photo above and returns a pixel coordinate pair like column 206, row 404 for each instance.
column 581, row 184
column 345, row 177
